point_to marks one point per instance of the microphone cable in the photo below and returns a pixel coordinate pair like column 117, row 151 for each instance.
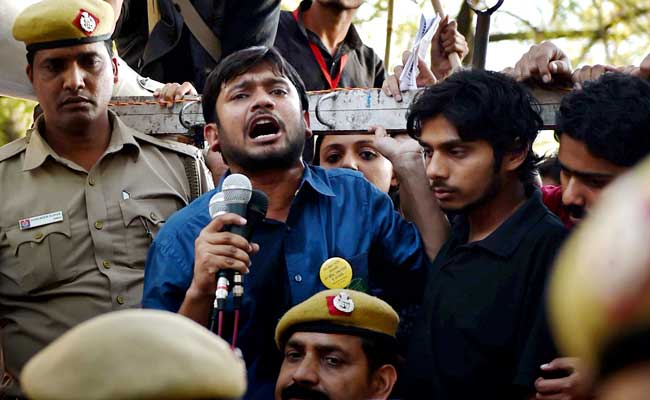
column 237, row 293
column 221, row 294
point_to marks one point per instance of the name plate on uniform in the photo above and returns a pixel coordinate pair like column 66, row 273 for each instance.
column 40, row 220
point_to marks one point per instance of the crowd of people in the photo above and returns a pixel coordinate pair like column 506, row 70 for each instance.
column 412, row 265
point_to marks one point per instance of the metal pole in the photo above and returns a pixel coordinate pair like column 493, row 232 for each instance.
column 481, row 40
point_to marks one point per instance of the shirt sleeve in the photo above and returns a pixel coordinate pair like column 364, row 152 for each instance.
column 539, row 349
column 397, row 250
column 250, row 23
column 166, row 278
column 536, row 346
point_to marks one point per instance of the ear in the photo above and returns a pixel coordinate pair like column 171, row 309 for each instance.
column 308, row 131
column 513, row 160
column 30, row 73
column 211, row 134
column 382, row 382
column 114, row 64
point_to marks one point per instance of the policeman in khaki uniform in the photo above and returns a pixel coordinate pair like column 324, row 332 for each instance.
column 337, row 345
column 138, row 355
column 81, row 195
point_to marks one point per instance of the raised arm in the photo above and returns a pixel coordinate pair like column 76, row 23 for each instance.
column 416, row 200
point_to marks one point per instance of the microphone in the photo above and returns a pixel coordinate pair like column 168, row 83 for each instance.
column 255, row 213
column 237, row 196
column 236, row 192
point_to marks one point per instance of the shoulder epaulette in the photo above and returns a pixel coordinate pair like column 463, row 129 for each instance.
column 172, row 145
column 11, row 149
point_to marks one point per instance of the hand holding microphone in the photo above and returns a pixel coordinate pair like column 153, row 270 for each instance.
column 223, row 244
column 216, row 249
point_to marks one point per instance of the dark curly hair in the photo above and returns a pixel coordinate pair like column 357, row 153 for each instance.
column 483, row 105
column 240, row 62
column 611, row 115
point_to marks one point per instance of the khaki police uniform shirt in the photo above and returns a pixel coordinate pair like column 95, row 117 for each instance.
column 54, row 276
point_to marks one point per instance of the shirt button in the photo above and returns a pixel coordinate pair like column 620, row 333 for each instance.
column 91, row 181
column 297, row 278
column 99, row 225
column 153, row 217
column 38, row 236
column 106, row 264
column 120, row 300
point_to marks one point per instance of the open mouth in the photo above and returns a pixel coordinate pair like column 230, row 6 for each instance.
column 263, row 128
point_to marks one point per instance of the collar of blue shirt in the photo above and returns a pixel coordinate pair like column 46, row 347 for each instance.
column 319, row 183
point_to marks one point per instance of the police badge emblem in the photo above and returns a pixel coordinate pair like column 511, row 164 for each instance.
column 86, row 22
column 343, row 303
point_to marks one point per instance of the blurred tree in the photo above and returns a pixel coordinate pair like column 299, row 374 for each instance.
column 15, row 118
column 619, row 27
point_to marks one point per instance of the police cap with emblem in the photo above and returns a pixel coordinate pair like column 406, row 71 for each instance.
column 339, row 311
column 135, row 354
column 55, row 23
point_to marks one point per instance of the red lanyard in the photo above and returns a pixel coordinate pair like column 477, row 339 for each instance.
column 334, row 83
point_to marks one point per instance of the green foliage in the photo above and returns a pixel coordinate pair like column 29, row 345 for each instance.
column 15, row 118
column 598, row 31
column 616, row 28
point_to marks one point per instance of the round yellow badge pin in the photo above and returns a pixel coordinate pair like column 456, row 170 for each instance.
column 336, row 273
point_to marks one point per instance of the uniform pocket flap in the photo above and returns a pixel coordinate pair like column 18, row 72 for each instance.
column 17, row 237
column 155, row 211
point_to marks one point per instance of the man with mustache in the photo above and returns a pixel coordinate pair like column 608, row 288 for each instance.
column 481, row 333
column 255, row 107
column 81, row 195
column 337, row 345
column 603, row 129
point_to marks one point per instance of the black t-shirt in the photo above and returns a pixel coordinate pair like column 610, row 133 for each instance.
column 363, row 68
column 482, row 331
column 172, row 54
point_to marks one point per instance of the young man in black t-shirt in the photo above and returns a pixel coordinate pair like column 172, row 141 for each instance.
column 482, row 333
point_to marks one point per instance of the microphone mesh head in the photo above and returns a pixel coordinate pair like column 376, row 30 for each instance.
column 237, row 188
column 217, row 205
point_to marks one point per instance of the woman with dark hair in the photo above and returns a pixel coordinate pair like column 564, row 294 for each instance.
column 360, row 153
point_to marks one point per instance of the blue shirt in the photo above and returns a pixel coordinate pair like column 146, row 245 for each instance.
column 335, row 213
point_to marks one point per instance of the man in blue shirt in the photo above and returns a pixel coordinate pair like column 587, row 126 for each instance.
column 255, row 108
